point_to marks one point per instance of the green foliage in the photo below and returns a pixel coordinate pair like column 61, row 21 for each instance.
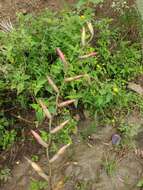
column 38, row 185
column 28, row 55
column 110, row 166
column 140, row 183
column 7, row 137
column 5, row 174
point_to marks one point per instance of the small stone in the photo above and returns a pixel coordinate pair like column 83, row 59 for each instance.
column 116, row 139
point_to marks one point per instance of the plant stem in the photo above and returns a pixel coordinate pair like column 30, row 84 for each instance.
column 48, row 157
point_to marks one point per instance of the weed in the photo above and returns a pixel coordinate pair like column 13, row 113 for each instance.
column 82, row 185
column 7, row 137
column 38, row 185
column 110, row 166
column 5, row 174
column 140, row 183
column 35, row 158
column 88, row 130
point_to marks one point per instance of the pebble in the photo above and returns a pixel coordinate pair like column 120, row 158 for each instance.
column 116, row 139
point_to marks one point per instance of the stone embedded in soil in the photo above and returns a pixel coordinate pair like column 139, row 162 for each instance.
column 116, row 139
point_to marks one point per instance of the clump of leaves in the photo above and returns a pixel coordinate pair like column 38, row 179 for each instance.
column 38, row 185
column 5, row 174
column 7, row 137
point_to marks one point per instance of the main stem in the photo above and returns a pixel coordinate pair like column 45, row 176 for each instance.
column 48, row 157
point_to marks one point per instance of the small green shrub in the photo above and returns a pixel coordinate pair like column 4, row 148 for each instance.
column 28, row 55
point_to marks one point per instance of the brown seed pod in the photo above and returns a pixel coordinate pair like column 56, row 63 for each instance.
column 39, row 139
column 53, row 85
column 70, row 79
column 66, row 103
column 45, row 109
column 58, row 128
column 59, row 153
column 38, row 169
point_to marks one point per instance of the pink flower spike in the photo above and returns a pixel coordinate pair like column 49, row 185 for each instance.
column 61, row 55
column 39, row 139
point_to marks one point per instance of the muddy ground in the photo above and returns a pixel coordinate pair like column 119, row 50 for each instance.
column 94, row 164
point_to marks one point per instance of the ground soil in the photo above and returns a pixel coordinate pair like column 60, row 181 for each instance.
column 83, row 165
column 9, row 8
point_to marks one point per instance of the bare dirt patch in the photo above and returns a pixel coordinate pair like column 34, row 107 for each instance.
column 99, row 166
column 9, row 8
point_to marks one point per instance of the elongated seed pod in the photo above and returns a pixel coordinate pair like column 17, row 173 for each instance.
column 73, row 78
column 53, row 85
column 61, row 126
column 38, row 169
column 59, row 153
column 90, row 27
column 45, row 109
column 62, row 57
column 88, row 55
column 39, row 139
column 66, row 103
column 83, row 37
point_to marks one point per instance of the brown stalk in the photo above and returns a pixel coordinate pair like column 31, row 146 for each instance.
column 58, row 128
